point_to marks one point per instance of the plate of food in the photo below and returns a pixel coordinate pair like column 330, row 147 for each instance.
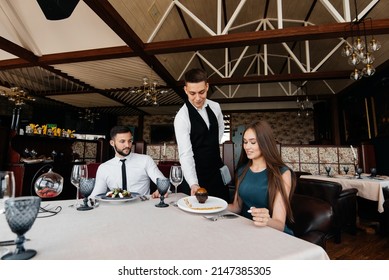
column 211, row 205
column 117, row 195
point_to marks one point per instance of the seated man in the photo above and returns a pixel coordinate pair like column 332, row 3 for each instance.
column 127, row 171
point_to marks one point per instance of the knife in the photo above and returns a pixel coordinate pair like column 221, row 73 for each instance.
column 10, row 242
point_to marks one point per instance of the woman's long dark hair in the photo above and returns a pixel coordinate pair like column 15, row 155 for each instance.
column 269, row 150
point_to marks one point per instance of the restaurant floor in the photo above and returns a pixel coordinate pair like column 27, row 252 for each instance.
column 367, row 244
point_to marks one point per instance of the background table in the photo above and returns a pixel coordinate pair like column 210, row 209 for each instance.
column 139, row 230
column 368, row 188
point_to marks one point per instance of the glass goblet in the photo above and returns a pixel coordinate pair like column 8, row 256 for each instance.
column 359, row 172
column 373, row 172
column 86, row 188
column 21, row 213
column 346, row 169
column 163, row 185
column 176, row 178
column 328, row 170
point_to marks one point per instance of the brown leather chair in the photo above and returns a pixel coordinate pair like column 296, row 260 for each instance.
column 312, row 219
column 343, row 202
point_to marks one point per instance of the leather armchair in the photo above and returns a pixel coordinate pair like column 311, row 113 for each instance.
column 312, row 219
column 343, row 202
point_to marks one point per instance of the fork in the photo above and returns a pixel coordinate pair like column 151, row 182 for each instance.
column 143, row 198
column 223, row 216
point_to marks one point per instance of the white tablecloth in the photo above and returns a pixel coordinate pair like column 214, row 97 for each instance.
column 139, row 230
column 367, row 188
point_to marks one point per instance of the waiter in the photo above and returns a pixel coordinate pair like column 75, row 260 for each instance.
column 199, row 127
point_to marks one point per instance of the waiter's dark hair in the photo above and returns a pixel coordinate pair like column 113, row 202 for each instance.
column 196, row 75
column 119, row 129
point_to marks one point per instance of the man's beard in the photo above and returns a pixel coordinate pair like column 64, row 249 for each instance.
column 121, row 152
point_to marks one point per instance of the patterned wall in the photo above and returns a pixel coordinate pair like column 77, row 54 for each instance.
column 288, row 128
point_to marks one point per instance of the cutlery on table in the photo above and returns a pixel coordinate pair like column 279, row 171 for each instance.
column 10, row 242
column 143, row 198
column 223, row 216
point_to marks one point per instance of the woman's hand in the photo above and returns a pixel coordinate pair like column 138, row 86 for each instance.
column 260, row 216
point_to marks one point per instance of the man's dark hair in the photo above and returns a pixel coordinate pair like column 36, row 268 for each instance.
column 196, row 75
column 119, row 129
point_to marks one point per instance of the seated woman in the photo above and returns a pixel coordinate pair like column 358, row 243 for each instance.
column 264, row 183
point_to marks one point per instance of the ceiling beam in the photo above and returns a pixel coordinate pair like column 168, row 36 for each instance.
column 113, row 19
column 291, row 34
column 311, row 76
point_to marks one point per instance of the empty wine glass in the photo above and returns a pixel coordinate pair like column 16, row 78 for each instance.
column 163, row 185
column 7, row 187
column 7, row 190
column 176, row 178
column 86, row 188
column 328, row 170
column 346, row 169
column 21, row 213
column 373, row 172
column 359, row 172
column 80, row 170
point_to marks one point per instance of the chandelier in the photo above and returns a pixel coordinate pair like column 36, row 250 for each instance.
column 304, row 105
column 360, row 49
column 150, row 91
column 88, row 115
column 17, row 95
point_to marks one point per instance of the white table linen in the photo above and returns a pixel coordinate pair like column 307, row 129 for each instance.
column 139, row 230
column 367, row 188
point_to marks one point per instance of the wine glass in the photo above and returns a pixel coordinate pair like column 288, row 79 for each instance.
column 176, row 178
column 7, row 190
column 373, row 172
column 328, row 170
column 80, row 170
column 163, row 185
column 21, row 213
column 86, row 188
column 346, row 169
column 359, row 172
column 7, row 187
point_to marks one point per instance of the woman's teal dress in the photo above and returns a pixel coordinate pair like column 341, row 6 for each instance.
column 253, row 190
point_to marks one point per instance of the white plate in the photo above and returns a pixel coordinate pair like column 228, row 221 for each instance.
column 102, row 197
column 212, row 205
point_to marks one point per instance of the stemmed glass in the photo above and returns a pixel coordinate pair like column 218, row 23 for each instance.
column 86, row 188
column 346, row 169
column 80, row 170
column 7, row 190
column 163, row 185
column 176, row 178
column 21, row 213
column 7, row 187
column 373, row 172
column 328, row 170
column 359, row 172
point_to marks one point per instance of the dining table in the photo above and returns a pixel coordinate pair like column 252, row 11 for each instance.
column 368, row 187
column 137, row 230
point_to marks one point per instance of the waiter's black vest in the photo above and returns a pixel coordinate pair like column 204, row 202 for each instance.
column 205, row 146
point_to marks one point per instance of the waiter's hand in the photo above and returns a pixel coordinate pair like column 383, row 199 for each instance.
column 157, row 195
column 194, row 188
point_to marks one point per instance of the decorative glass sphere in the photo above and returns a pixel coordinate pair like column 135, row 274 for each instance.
column 49, row 185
